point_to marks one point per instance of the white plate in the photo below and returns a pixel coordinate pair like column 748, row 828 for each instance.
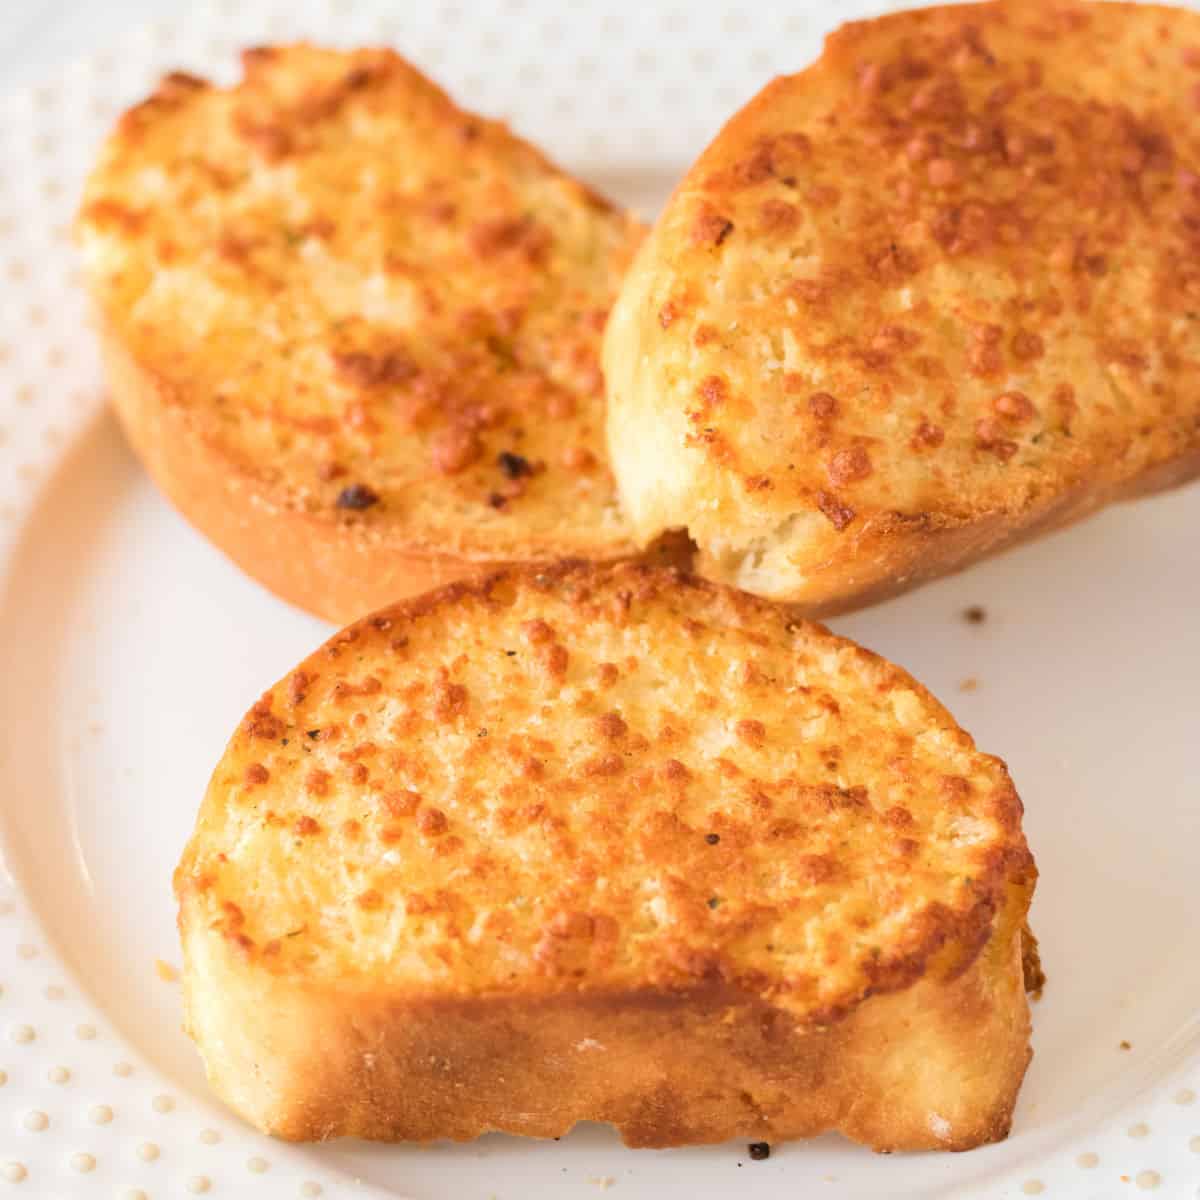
column 129, row 648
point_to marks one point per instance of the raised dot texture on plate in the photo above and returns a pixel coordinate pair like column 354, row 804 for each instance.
column 22, row 1034
column 100, row 1114
column 35, row 1120
column 83, row 1162
column 1147, row 1180
column 14, row 1172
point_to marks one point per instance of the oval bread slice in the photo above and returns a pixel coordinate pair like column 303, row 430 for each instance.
column 612, row 844
column 354, row 330
column 935, row 293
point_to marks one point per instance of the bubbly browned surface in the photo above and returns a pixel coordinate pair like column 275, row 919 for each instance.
column 602, row 779
column 947, row 275
column 379, row 310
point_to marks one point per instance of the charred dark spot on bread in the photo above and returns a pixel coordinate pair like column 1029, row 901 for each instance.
column 357, row 497
column 515, row 466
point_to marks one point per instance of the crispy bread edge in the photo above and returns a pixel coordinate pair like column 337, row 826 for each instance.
column 937, row 1066
column 897, row 552
column 336, row 570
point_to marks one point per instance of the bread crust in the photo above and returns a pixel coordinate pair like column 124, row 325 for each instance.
column 651, row 898
column 889, row 557
column 332, row 568
column 354, row 330
column 935, row 1067
column 873, row 335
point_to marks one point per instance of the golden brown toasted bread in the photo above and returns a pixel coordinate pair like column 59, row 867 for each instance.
column 607, row 843
column 353, row 330
column 936, row 292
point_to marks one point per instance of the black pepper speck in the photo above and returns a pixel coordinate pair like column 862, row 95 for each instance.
column 357, row 497
column 515, row 466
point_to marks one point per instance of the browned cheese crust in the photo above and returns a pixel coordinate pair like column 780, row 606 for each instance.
column 935, row 293
column 353, row 330
column 607, row 843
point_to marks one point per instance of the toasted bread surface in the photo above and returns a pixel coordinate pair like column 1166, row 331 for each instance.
column 936, row 292
column 354, row 330
column 534, row 815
